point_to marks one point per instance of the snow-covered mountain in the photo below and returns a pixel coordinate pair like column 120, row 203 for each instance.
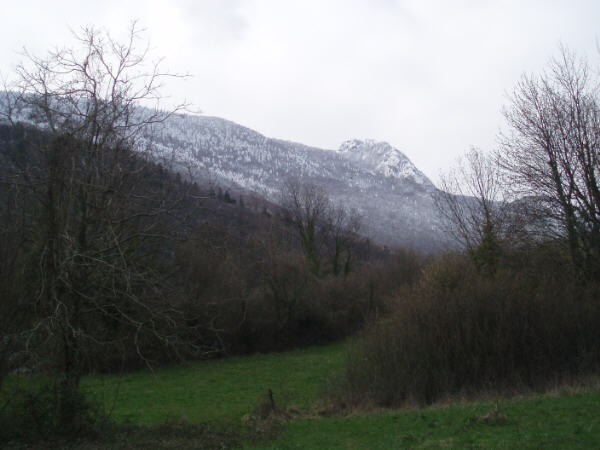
column 393, row 197
column 381, row 158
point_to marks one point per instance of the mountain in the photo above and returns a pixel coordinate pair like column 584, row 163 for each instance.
column 381, row 158
column 392, row 196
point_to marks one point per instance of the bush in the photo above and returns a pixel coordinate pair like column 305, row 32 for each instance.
column 47, row 411
column 458, row 332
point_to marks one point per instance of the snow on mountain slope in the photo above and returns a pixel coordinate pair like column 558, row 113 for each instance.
column 383, row 159
column 379, row 181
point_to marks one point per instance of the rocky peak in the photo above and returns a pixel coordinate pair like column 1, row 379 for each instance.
column 381, row 158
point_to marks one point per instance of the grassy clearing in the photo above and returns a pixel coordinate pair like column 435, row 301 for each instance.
column 217, row 391
column 223, row 392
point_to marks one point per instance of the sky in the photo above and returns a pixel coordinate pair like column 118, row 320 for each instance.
column 428, row 76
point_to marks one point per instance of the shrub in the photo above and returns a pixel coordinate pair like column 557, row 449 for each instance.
column 461, row 332
column 47, row 411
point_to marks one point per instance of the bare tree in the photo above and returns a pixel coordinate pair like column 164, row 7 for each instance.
column 99, row 205
column 341, row 230
column 472, row 205
column 327, row 231
column 308, row 206
column 551, row 152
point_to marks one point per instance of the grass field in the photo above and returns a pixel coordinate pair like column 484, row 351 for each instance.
column 546, row 422
column 224, row 392
column 220, row 391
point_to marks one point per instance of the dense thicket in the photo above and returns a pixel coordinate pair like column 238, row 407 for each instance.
column 460, row 332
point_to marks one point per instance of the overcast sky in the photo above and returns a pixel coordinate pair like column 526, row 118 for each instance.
column 429, row 77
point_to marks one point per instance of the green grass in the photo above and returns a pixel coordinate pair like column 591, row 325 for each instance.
column 547, row 422
column 219, row 391
column 222, row 392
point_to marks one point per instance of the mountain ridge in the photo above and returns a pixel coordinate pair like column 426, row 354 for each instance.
column 376, row 179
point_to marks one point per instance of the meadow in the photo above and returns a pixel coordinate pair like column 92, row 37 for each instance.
column 224, row 394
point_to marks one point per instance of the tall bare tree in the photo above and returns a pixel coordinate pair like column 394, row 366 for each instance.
column 99, row 205
column 551, row 152
column 308, row 205
column 341, row 233
column 327, row 231
column 472, row 206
